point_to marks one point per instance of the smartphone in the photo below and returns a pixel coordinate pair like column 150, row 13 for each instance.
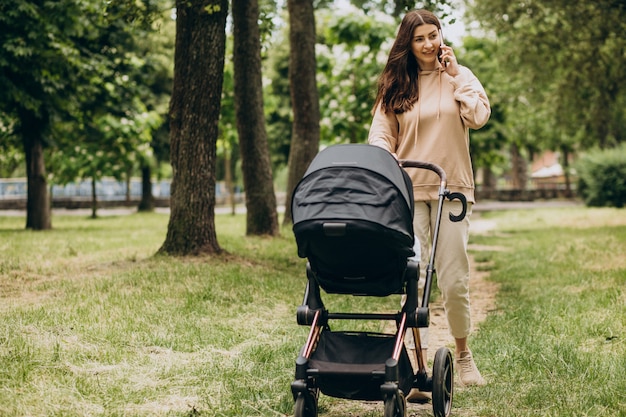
column 442, row 43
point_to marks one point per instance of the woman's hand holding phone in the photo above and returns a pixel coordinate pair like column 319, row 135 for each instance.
column 447, row 57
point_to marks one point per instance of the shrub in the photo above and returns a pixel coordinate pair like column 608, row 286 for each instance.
column 602, row 177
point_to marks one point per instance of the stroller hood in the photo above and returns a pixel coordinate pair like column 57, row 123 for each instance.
column 353, row 203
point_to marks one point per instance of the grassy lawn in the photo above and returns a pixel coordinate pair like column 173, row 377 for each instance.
column 93, row 324
column 557, row 344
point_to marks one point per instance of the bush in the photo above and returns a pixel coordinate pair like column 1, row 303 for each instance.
column 602, row 177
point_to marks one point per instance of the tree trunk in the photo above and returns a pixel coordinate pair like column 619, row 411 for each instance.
column 228, row 179
column 304, row 96
column 194, row 114
column 566, row 172
column 38, row 211
column 94, row 199
column 519, row 168
column 261, row 213
column 147, row 199
column 128, row 178
column 489, row 181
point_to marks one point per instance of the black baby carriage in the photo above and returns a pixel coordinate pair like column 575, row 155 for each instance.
column 352, row 219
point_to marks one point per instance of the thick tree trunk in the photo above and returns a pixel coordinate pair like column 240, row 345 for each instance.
column 147, row 199
column 38, row 211
column 194, row 114
column 304, row 96
column 262, row 216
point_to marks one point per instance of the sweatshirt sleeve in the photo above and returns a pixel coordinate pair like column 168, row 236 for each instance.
column 384, row 130
column 469, row 92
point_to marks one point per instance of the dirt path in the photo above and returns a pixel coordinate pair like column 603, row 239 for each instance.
column 482, row 295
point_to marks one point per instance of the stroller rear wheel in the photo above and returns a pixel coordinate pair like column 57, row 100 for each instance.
column 306, row 405
column 395, row 405
column 443, row 382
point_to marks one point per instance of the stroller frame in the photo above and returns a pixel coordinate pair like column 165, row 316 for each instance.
column 387, row 380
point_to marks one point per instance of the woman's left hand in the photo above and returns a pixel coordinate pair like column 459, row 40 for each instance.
column 449, row 60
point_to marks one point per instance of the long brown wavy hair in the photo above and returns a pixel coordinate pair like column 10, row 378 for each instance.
column 397, row 85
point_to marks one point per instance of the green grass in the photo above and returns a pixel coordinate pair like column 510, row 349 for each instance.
column 557, row 344
column 93, row 324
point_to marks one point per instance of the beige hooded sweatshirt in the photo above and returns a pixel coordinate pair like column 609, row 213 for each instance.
column 436, row 130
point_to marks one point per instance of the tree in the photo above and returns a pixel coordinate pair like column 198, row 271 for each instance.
column 567, row 90
column 156, row 51
column 109, row 130
column 194, row 115
column 66, row 63
column 304, row 95
column 261, row 213
column 568, row 59
column 31, row 94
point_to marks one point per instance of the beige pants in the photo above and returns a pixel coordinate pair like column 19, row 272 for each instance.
column 451, row 262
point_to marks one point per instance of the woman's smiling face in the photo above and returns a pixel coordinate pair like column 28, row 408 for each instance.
column 425, row 46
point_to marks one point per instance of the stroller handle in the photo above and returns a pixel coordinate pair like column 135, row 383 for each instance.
column 407, row 163
column 443, row 191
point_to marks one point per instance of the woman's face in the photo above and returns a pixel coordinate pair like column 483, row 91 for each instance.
column 425, row 45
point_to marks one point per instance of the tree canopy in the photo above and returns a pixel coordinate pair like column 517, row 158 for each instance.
column 72, row 79
column 564, row 60
column 85, row 85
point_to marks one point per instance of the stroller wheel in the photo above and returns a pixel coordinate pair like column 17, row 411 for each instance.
column 443, row 382
column 395, row 405
column 305, row 405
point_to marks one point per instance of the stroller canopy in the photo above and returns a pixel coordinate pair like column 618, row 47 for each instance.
column 353, row 203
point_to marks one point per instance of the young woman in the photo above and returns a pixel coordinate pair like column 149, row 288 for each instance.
column 425, row 106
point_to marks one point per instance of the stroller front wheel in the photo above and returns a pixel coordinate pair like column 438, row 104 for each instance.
column 395, row 405
column 443, row 382
column 305, row 405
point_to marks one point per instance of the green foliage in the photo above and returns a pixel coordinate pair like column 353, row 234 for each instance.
column 397, row 7
column 33, row 34
column 86, row 70
column 11, row 153
column 487, row 143
column 563, row 60
column 123, row 144
column 155, row 76
column 602, row 177
column 351, row 55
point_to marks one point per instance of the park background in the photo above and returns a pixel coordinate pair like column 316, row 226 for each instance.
column 148, row 314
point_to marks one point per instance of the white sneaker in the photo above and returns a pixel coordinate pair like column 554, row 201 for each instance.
column 468, row 372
